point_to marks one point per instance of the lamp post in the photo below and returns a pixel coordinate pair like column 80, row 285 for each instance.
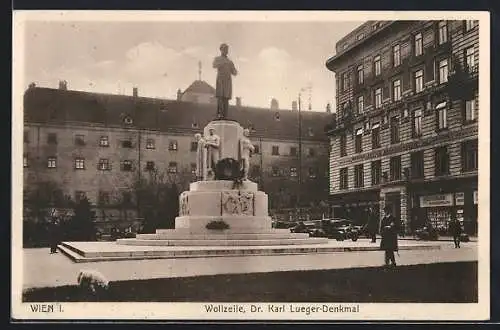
column 300, row 151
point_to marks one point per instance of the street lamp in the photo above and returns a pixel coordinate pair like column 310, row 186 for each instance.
column 300, row 149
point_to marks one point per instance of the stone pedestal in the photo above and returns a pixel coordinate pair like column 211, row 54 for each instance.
column 230, row 133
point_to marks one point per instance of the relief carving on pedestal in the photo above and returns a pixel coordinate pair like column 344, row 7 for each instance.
column 183, row 205
column 234, row 203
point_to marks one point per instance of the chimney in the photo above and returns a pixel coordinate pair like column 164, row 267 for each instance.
column 294, row 105
column 63, row 85
column 179, row 94
column 32, row 85
column 238, row 101
column 135, row 92
column 274, row 104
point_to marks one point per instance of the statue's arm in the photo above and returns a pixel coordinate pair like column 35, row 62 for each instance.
column 234, row 72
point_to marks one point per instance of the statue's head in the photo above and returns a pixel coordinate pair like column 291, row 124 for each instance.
column 197, row 137
column 246, row 132
column 211, row 131
column 224, row 49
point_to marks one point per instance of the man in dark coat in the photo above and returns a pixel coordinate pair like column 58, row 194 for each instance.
column 224, row 86
column 456, row 231
column 372, row 225
column 389, row 228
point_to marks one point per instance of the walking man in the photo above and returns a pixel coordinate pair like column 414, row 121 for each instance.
column 456, row 231
column 372, row 225
column 389, row 228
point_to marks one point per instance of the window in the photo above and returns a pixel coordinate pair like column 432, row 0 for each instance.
column 396, row 55
column 395, row 168
column 396, row 90
column 361, row 104
column 275, row 171
column 25, row 161
column 442, row 120
column 275, row 150
column 52, row 138
column 126, row 197
column 104, row 141
column 79, row 163
column 26, row 137
column 172, row 167
column 442, row 32
column 358, row 144
column 255, row 171
column 79, row 140
column 150, row 166
column 194, row 146
column 360, row 36
column 469, row 25
column 443, row 71
column 127, row 144
column 52, row 162
column 256, row 149
column 311, row 152
column 376, row 136
column 377, row 65
column 345, row 81
column 80, row 195
column 358, row 176
column 361, row 74
column 376, row 169
column 127, row 166
column 343, row 144
column 293, row 171
column 441, row 161
column 470, row 109
column 312, row 173
column 344, row 183
column 103, row 197
column 104, row 164
column 293, row 151
column 150, row 144
column 193, row 169
column 419, row 81
column 469, row 58
column 417, row 123
column 344, row 46
column 418, row 44
column 172, row 145
column 394, row 130
column 417, row 164
column 469, row 156
column 378, row 98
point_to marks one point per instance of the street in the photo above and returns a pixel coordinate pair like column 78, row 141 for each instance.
column 42, row 269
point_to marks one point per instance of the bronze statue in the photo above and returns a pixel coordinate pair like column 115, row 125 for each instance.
column 223, row 89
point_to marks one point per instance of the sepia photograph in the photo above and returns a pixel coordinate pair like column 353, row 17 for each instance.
column 198, row 165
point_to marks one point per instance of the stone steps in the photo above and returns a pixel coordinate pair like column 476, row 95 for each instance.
column 223, row 236
column 221, row 241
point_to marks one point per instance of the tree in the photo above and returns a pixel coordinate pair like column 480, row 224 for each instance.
column 81, row 227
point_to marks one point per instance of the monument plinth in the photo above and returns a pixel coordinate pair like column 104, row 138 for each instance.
column 223, row 212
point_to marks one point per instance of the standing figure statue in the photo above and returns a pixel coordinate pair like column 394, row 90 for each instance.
column 246, row 150
column 212, row 143
column 201, row 157
column 224, row 87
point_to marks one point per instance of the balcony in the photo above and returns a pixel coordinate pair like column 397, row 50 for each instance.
column 462, row 82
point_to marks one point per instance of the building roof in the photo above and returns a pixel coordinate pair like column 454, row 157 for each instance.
column 201, row 87
column 54, row 106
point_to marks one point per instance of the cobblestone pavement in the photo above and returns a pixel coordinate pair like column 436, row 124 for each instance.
column 42, row 269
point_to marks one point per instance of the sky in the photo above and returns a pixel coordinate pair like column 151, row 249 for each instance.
column 273, row 59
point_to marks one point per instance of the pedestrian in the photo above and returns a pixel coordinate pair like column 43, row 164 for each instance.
column 389, row 228
column 372, row 225
column 456, row 231
column 54, row 235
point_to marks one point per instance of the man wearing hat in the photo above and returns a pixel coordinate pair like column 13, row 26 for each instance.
column 223, row 88
column 389, row 228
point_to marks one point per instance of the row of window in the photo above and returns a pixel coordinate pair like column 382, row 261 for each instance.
column 418, row 82
column 417, row 51
column 469, row 156
column 441, row 123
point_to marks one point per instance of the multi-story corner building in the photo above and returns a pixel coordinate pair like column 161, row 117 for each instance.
column 97, row 145
column 406, row 132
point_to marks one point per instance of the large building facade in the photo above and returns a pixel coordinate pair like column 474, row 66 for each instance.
column 406, row 131
column 98, row 145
